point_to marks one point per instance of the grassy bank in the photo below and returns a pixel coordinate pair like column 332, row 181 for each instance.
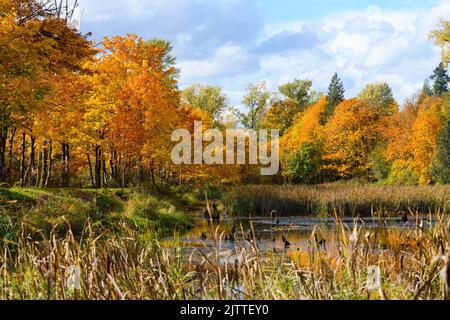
column 347, row 200
column 39, row 212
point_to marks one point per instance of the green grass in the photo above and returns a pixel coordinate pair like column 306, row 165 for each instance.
column 42, row 211
column 148, row 212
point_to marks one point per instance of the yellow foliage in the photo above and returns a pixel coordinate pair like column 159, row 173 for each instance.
column 307, row 127
column 425, row 133
column 351, row 136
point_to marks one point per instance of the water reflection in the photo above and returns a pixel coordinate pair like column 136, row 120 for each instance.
column 293, row 236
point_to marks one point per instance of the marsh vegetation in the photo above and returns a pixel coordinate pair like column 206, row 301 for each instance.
column 343, row 199
column 124, row 245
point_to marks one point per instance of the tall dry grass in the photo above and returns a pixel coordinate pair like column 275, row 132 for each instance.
column 412, row 265
column 289, row 200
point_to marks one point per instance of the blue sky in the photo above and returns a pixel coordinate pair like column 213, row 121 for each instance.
column 315, row 9
column 231, row 43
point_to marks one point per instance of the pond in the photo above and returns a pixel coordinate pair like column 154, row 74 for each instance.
column 291, row 235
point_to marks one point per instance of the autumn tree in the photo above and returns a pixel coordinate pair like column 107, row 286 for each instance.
column 255, row 103
column 210, row 99
column 37, row 43
column 302, row 146
column 425, row 139
column 300, row 93
column 281, row 115
column 295, row 98
column 74, row 115
column 442, row 161
column 380, row 96
column 351, row 137
column 57, row 129
column 416, row 142
column 399, row 151
column 168, row 61
column 123, row 122
column 442, row 38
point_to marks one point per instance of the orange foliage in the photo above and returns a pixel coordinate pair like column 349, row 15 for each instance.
column 425, row 133
column 107, row 115
column 351, row 136
column 307, row 127
column 412, row 137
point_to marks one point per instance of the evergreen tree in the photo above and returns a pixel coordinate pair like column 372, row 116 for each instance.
column 425, row 92
column 336, row 94
column 441, row 80
column 442, row 161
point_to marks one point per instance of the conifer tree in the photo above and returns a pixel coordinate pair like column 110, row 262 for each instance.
column 441, row 80
column 336, row 95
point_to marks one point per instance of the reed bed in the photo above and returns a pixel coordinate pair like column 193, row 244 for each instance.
column 413, row 265
column 322, row 200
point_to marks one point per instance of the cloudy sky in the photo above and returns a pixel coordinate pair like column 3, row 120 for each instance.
column 234, row 42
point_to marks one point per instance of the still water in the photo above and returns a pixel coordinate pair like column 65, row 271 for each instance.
column 286, row 234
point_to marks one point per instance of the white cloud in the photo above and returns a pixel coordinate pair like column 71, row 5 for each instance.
column 363, row 47
column 227, row 43
column 351, row 45
column 229, row 60
column 386, row 52
column 195, row 27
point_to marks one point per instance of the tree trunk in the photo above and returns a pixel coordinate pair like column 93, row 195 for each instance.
column 138, row 170
column 111, row 165
column 44, row 166
column 124, row 163
column 105, row 174
column 11, row 155
column 114, row 168
column 32, row 164
column 98, row 167
column 3, row 139
column 23, row 159
column 90, row 169
column 65, row 169
column 152, row 173
column 39, row 170
column 50, row 163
